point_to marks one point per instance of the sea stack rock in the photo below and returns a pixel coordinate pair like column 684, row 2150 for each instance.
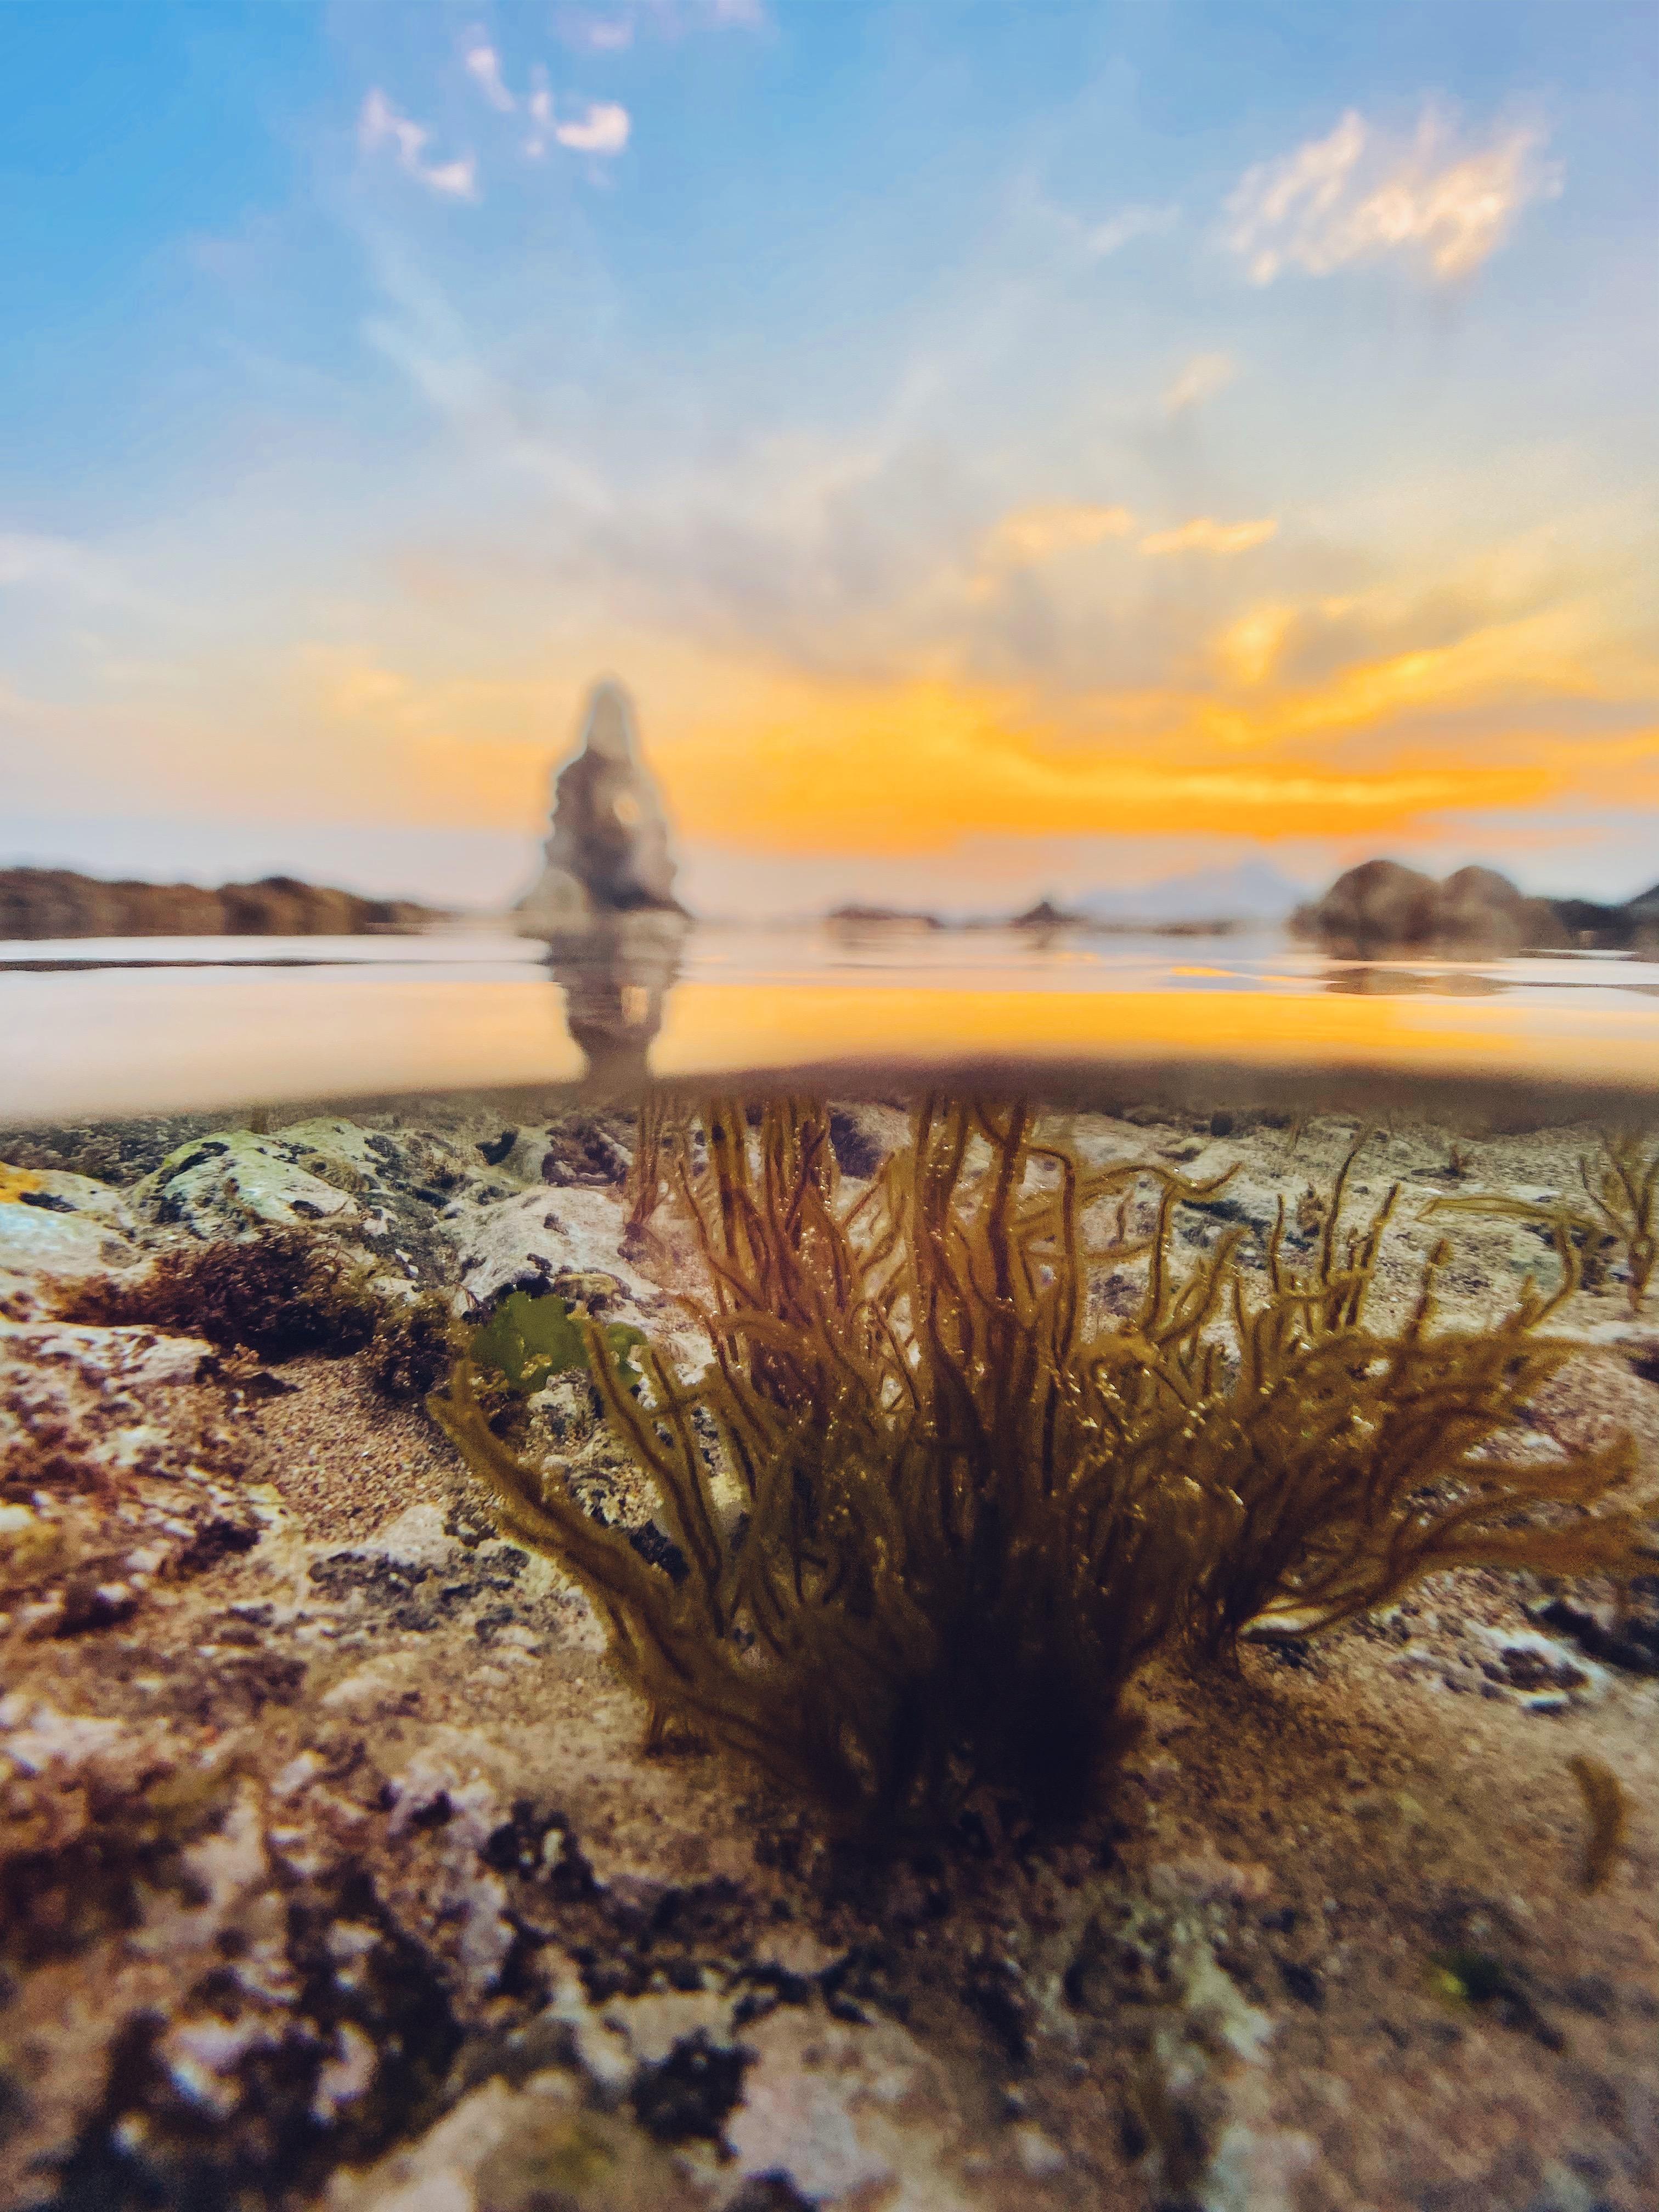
column 608, row 854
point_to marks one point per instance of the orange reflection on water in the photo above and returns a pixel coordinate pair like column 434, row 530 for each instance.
column 975, row 1010
column 711, row 1028
column 109, row 1041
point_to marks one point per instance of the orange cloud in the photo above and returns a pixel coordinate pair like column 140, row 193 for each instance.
column 1204, row 535
column 756, row 755
column 1034, row 534
column 923, row 766
column 1511, row 662
column 1249, row 649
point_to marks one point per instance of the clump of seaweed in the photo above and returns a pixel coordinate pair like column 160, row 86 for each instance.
column 655, row 1129
column 1621, row 1183
column 280, row 1295
column 934, row 1518
column 1623, row 1189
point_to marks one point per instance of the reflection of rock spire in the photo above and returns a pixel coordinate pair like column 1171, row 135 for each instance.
column 607, row 851
column 617, row 980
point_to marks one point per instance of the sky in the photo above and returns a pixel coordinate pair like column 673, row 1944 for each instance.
column 1004, row 449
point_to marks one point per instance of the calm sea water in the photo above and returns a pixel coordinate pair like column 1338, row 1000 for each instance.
column 111, row 1027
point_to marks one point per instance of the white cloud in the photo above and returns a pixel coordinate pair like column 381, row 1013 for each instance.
column 483, row 65
column 1199, row 380
column 1361, row 194
column 1101, row 239
column 380, row 124
column 1032, row 534
column 603, row 128
column 1090, row 241
column 610, row 29
column 456, row 180
column 27, row 558
column 594, row 34
column 1204, row 535
column 541, row 111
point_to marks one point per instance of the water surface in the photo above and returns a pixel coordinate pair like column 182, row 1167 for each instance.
column 143, row 1025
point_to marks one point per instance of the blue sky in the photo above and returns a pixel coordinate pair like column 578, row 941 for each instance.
column 1005, row 448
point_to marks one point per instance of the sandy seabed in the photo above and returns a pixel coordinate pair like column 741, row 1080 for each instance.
column 332, row 1871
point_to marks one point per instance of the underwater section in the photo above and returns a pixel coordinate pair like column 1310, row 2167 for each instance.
column 915, row 1649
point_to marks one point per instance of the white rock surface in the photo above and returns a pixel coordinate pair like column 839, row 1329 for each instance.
column 229, row 1184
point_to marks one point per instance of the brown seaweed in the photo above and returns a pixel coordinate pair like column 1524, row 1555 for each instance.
column 279, row 1294
column 1623, row 1190
column 656, row 1127
column 935, row 1517
column 1622, row 1186
column 1605, row 1815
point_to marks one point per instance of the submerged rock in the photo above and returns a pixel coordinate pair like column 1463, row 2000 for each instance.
column 55, row 1229
column 118, row 1470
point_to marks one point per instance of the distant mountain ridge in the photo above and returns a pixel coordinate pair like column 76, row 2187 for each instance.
column 49, row 902
column 1251, row 891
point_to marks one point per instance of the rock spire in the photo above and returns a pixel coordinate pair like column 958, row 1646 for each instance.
column 608, row 853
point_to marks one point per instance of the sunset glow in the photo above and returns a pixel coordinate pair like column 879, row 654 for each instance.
column 1002, row 451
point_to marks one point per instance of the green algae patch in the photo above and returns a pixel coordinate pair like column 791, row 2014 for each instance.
column 529, row 1339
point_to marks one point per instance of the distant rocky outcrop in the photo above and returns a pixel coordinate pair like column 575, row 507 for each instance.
column 1046, row 920
column 48, row 902
column 1632, row 927
column 1046, row 915
column 608, row 853
column 855, row 917
column 1251, row 892
column 1382, row 908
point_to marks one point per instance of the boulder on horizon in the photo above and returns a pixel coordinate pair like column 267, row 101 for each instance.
column 1382, row 907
